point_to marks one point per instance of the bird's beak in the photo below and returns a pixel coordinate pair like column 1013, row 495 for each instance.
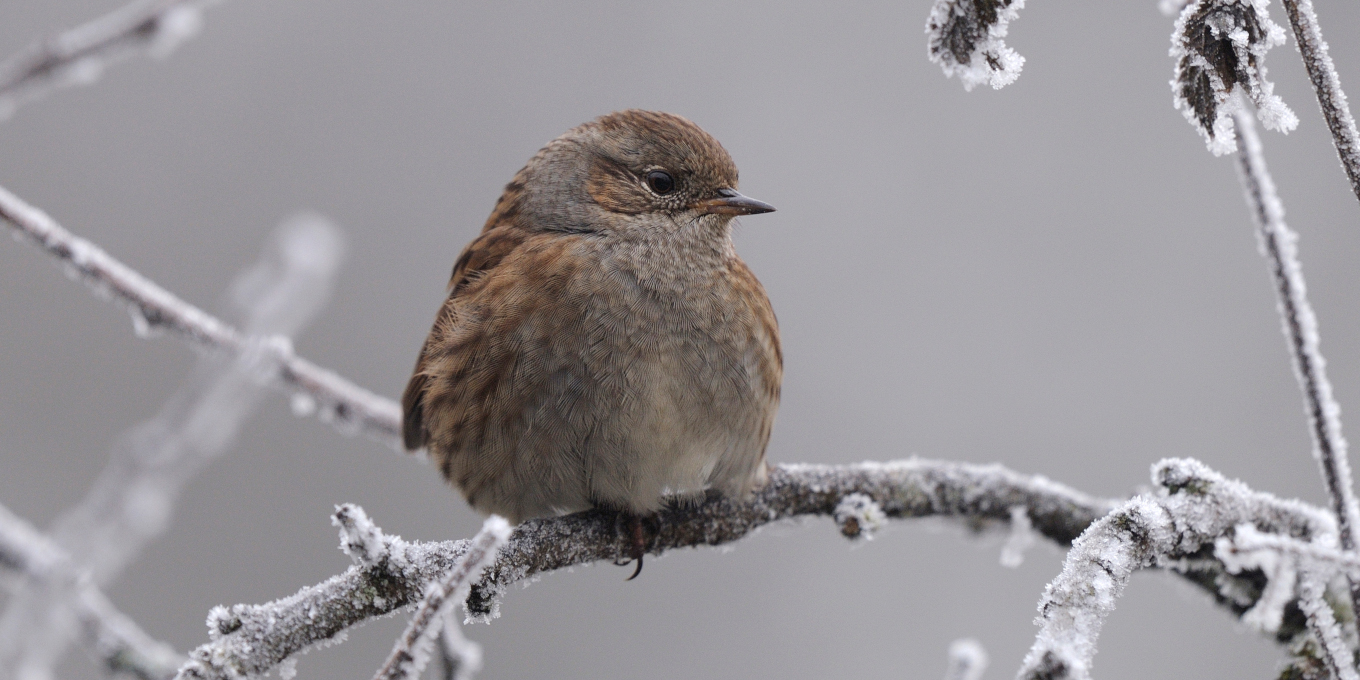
column 729, row 202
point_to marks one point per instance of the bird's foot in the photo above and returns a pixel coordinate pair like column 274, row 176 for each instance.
column 633, row 529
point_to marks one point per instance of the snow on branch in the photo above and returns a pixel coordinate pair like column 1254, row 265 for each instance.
column 346, row 406
column 252, row 639
column 131, row 502
column 966, row 38
column 412, row 650
column 1193, row 508
column 114, row 639
column 1327, row 85
column 1279, row 244
column 1219, row 48
column 80, row 55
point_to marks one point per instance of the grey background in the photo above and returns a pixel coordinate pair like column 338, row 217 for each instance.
column 1056, row 276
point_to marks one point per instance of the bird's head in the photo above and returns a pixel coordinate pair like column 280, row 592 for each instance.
column 635, row 171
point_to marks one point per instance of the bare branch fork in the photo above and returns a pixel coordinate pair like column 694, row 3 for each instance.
column 79, row 55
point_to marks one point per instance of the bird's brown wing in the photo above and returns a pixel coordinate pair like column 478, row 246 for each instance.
column 480, row 257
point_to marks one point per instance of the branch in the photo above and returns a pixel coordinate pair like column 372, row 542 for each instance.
column 252, row 639
column 346, row 406
column 1195, row 506
column 79, row 56
column 1279, row 244
column 119, row 644
column 413, row 647
column 131, row 502
column 1327, row 85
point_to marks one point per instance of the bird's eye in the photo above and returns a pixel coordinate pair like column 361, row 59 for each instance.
column 661, row 182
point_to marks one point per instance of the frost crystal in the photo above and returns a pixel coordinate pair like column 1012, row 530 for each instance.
column 360, row 538
column 1268, row 612
column 966, row 40
column 288, row 669
column 1220, row 47
column 859, row 516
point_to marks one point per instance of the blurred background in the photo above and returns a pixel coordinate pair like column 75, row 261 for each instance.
column 1056, row 276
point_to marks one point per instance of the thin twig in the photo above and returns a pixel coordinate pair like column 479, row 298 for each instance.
column 79, row 55
column 119, row 644
column 412, row 650
column 1327, row 85
column 131, row 502
column 348, row 407
column 252, row 639
column 1279, row 244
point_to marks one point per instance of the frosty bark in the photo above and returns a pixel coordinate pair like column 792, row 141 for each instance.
column 1279, row 244
column 1327, row 85
column 346, row 406
column 79, row 55
column 119, row 644
column 131, row 502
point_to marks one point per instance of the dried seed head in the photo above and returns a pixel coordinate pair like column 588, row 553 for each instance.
column 1220, row 47
column 966, row 41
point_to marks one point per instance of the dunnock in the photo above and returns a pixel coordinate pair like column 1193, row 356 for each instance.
column 602, row 345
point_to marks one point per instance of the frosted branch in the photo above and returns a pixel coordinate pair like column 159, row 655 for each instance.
column 252, row 639
column 1279, row 244
column 966, row 38
column 413, row 647
column 1327, row 85
column 1194, row 507
column 1219, row 48
column 131, row 502
column 114, row 639
column 346, row 406
column 80, row 55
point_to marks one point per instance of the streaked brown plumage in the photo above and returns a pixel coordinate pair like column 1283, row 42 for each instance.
column 602, row 344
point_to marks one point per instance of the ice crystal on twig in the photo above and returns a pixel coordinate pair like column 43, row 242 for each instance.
column 1219, row 47
column 360, row 538
column 1237, row 556
column 413, row 647
column 858, row 516
column 966, row 38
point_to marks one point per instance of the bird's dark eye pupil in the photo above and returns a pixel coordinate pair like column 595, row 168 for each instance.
column 661, row 182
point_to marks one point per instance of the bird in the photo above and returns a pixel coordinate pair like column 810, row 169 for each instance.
column 602, row 345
